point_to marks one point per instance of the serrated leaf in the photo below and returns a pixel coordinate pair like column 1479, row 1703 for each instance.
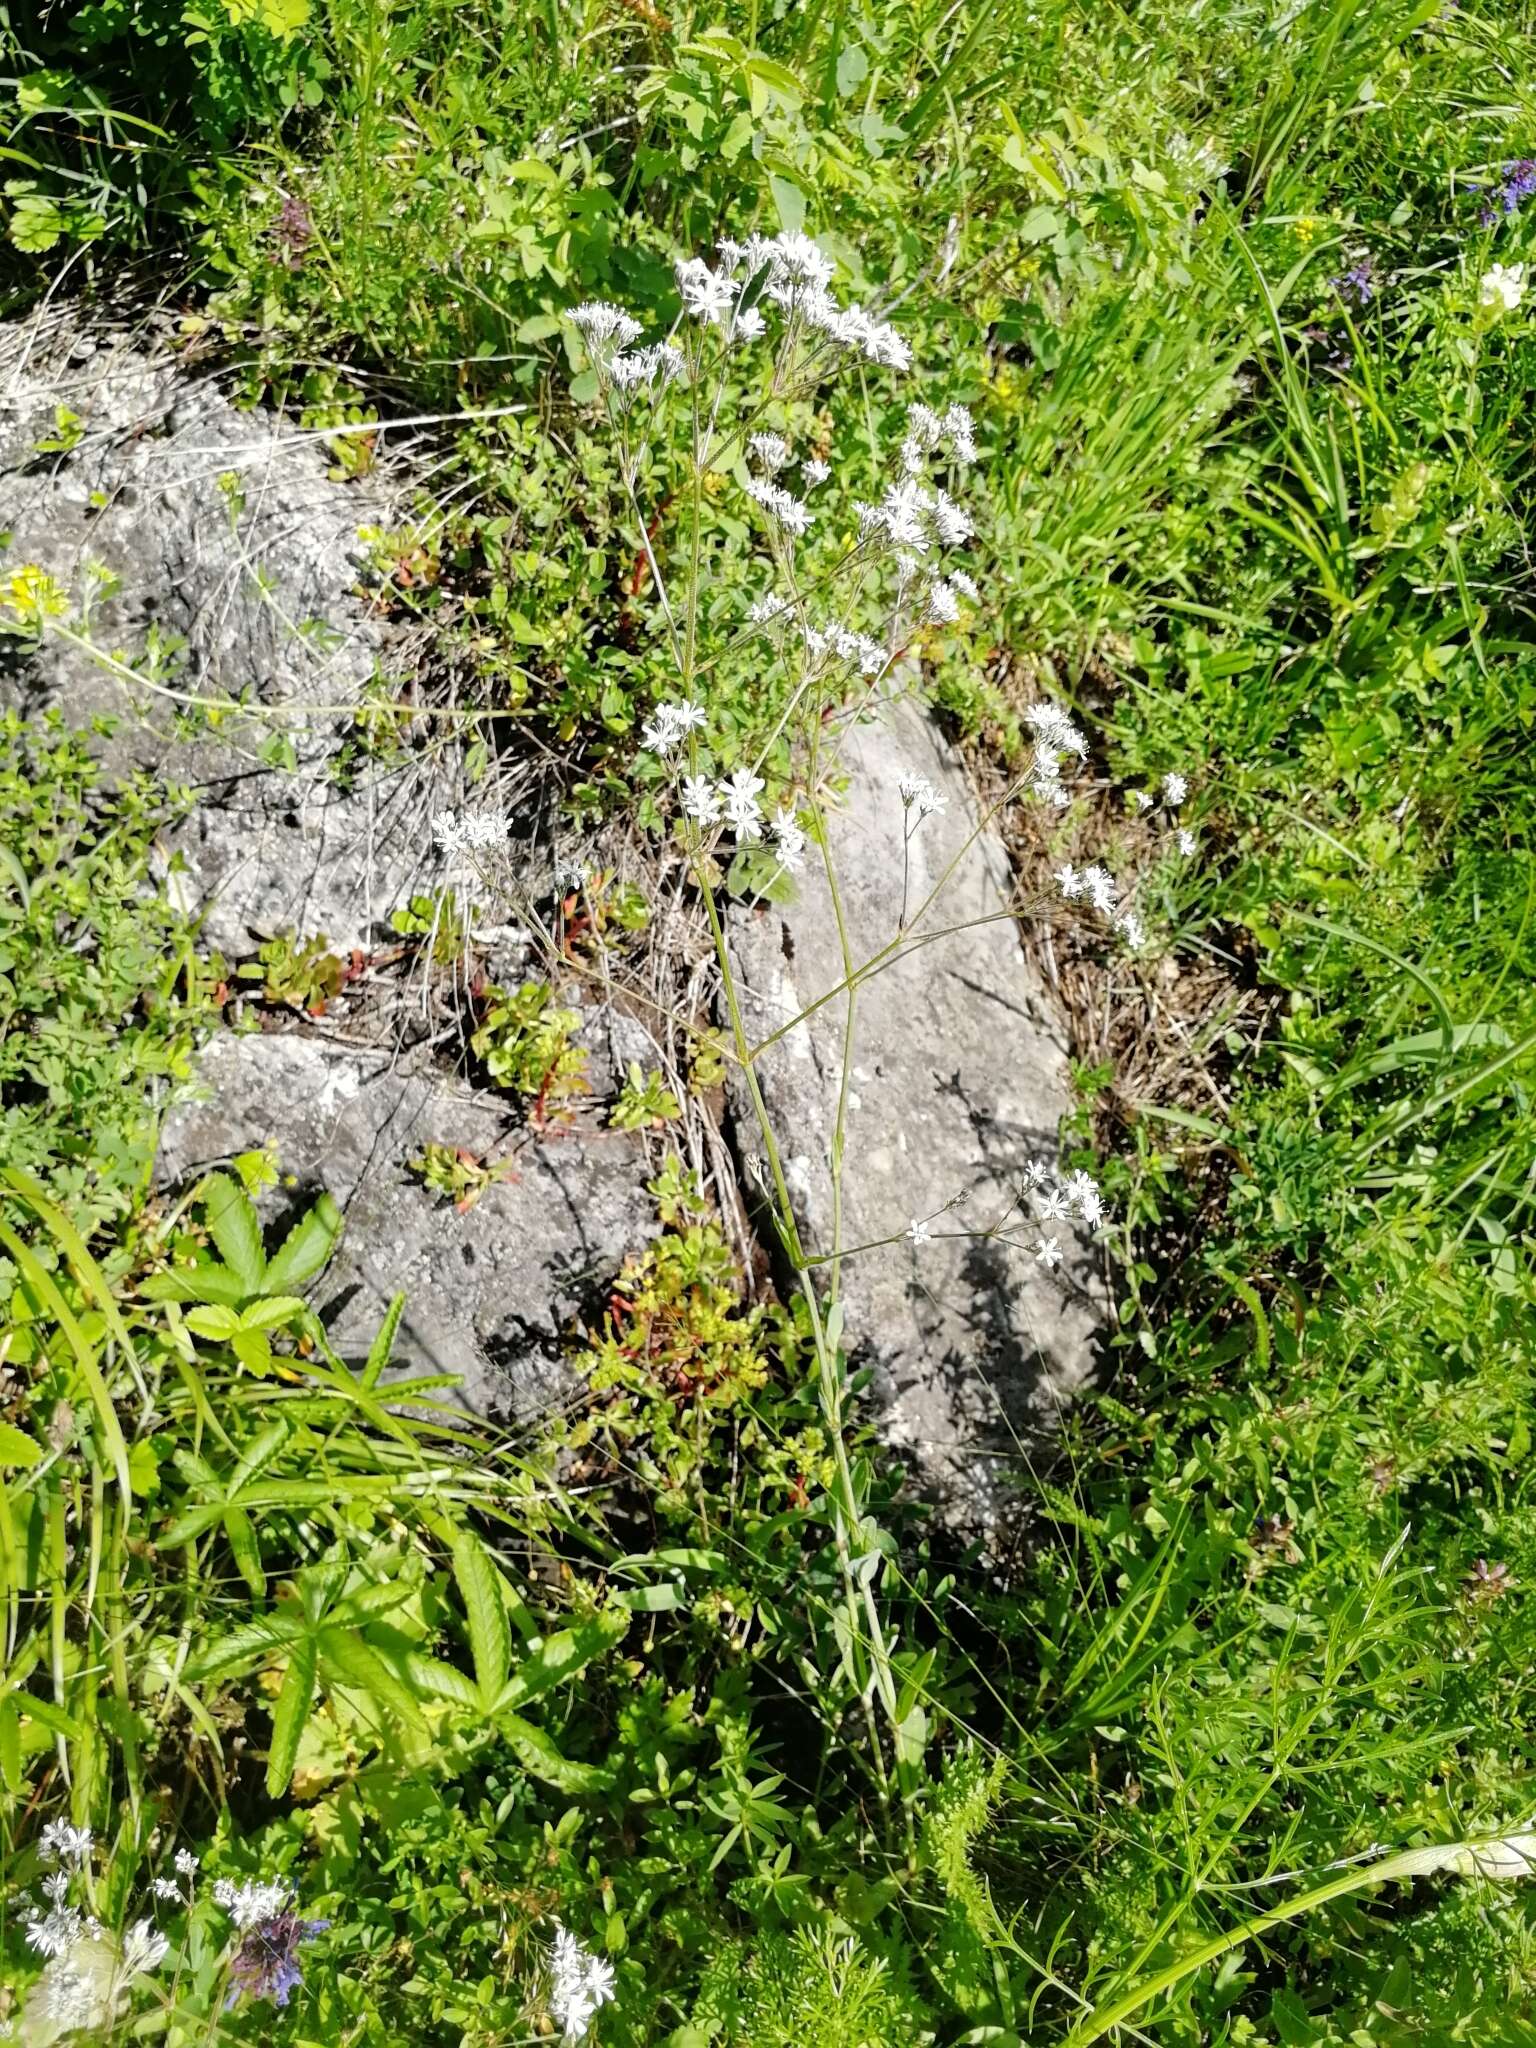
column 560, row 1657
column 383, row 1342
column 236, row 1230
column 306, row 1248
column 349, row 1658
column 435, row 1680
column 270, row 1312
column 245, row 1550
column 250, row 1644
column 294, row 1701
column 541, row 1758
column 17, row 1448
column 205, row 1282
column 490, row 1640
column 48, row 1714
column 214, row 1321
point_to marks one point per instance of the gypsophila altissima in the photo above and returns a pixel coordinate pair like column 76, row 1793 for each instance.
column 580, row 1983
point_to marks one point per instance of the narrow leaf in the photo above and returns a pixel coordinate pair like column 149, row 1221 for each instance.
column 561, row 1656
column 292, row 1712
column 384, row 1342
column 490, row 1641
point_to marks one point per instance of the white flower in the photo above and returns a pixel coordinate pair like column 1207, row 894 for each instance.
column 1057, row 730
column 951, row 522
column 61, row 1843
column 901, row 516
column 1082, row 1193
column 165, row 1888
column 1048, row 1252
column 961, row 431
column 813, row 471
column 788, row 839
column 1175, row 788
column 1503, row 286
column 605, row 328
column 1186, row 841
column 72, row 1999
column 942, row 607
column 56, row 1932
column 250, row 1903
column 771, row 450
column 918, row 1232
column 474, row 832
column 1131, row 929
column 669, row 724
column 919, row 796
column 1051, row 1205
column 706, row 295
column 580, row 1983
column 186, row 1863
column 1071, row 881
column 699, row 800
column 765, row 610
column 1036, row 1173
column 144, row 1948
column 1099, row 887
column 646, row 367
column 738, row 799
column 784, row 509
column 966, row 585
column 749, row 325
column 1142, row 801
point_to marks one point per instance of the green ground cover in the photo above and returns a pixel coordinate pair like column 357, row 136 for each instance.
column 1255, row 498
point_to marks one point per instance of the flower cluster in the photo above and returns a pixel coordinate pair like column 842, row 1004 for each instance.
column 1357, row 285
column 579, row 1984
column 1097, row 886
column 1503, row 287
column 1055, row 735
column 477, row 832
column 919, row 799
column 1510, row 194
column 90, row 1973
column 266, row 1964
column 1077, row 1198
column 670, row 724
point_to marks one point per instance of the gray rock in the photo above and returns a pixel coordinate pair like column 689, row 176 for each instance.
column 958, row 1079
column 491, row 1293
column 210, row 547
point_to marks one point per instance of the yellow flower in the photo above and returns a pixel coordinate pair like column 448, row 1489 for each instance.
column 32, row 595
column 1307, row 226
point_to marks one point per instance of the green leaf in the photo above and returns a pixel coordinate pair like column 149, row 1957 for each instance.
column 204, row 1282
column 663, row 1599
column 251, row 1644
column 245, row 1550
column 10, row 1747
column 561, row 1656
column 355, row 1662
column 292, row 1711
column 213, row 1321
column 236, row 1230
column 541, row 1758
column 479, row 1584
column 306, row 1248
column 17, row 1448
column 271, row 1312
column 384, row 1342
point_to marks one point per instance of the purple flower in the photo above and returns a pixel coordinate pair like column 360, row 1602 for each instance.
column 1519, row 184
column 266, row 1964
column 1358, row 283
